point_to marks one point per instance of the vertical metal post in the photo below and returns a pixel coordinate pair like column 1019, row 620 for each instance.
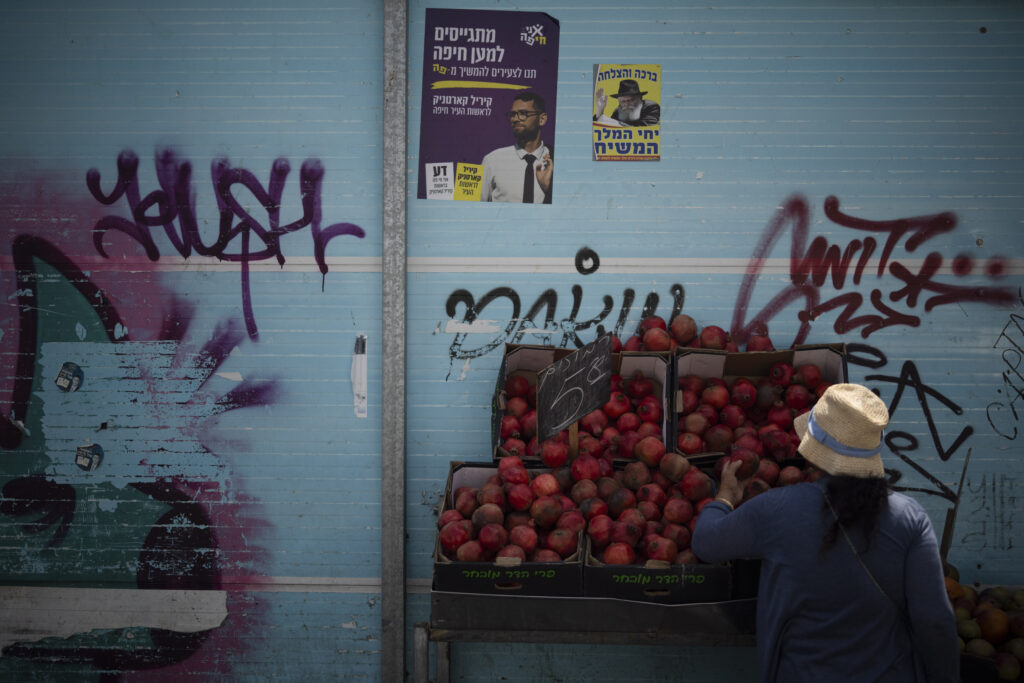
column 393, row 345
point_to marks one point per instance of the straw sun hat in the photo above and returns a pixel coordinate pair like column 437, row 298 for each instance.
column 842, row 434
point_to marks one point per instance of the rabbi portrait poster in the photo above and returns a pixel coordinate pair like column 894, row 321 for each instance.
column 475, row 63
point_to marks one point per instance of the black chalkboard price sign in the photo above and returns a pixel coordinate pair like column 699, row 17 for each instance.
column 573, row 386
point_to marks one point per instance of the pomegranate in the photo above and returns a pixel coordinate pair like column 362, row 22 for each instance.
column 516, row 386
column 510, row 427
column 656, row 339
column 628, row 422
column 449, row 516
column 696, row 485
column 718, row 438
column 516, row 406
column 653, row 322
column 583, row 489
column 599, row 529
column 678, row 533
column 781, row 374
column 512, row 550
column 661, row 548
column 650, row 450
column 454, row 534
column 635, row 475
column 554, row 453
column 524, row 536
column 619, row 553
column 760, row 342
column 572, row 520
column 651, row 493
column 562, row 541
column 489, row 513
column 544, row 484
column 683, row 328
column 716, row 396
column 546, row 555
column 649, row 409
column 634, row 343
column 692, row 382
column 807, row 374
column 585, row 467
column 528, row 424
column 677, row 510
column 514, row 446
column 790, row 474
column 592, row 507
column 470, row 551
column 618, row 404
column 713, row 337
column 673, row 466
column 797, row 397
column 649, row 510
column 689, row 443
column 492, row 537
column 690, row 399
column 620, row 499
column 639, row 386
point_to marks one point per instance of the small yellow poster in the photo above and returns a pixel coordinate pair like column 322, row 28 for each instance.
column 627, row 112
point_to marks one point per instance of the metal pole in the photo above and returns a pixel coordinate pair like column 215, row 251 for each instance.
column 393, row 274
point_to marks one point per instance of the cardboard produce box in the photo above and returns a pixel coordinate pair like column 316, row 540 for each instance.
column 657, row 581
column 528, row 361
column 705, row 363
column 507, row 576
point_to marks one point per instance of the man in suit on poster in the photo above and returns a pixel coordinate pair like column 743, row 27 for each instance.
column 521, row 172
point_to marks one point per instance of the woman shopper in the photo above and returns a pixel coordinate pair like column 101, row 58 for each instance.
column 851, row 585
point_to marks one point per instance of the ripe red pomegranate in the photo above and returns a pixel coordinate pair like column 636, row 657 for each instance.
column 652, row 322
column 673, row 466
column 492, row 537
column 649, row 409
column 470, row 551
column 689, row 443
column 651, row 493
column 516, row 385
column 649, row 450
column 677, row 510
column 491, row 493
column 716, row 396
column 634, row 343
column 454, row 534
column 678, row 533
column 545, row 484
column 572, row 520
column 592, row 507
column 512, row 550
column 510, row 427
column 708, row 411
column 517, row 406
column 585, row 467
column 713, row 337
column 618, row 404
column 465, row 502
column 515, row 475
column 768, row 470
column 545, row 511
column 749, row 440
column 690, row 400
column 628, row 422
column 661, row 548
column 620, row 499
column 554, row 453
column 656, row 339
column 489, row 513
column 590, row 445
column 696, row 423
column 807, row 374
column 562, row 541
column 760, row 342
column 798, row 397
column 449, row 516
column 619, row 553
column 748, row 460
column 650, row 511
column 599, row 528
column 732, row 416
column 696, row 485
column 781, row 415
column 605, row 485
column 790, row 474
column 692, row 382
column 683, row 328
column 718, row 438
column 639, row 386
column 545, row 555
column 583, row 489
column 781, row 374
column 616, row 344
column 743, row 393
column 524, row 536
column 514, row 446
column 528, row 424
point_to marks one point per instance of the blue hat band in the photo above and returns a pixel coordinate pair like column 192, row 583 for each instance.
column 826, row 439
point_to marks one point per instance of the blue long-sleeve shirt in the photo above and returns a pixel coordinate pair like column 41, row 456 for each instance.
column 819, row 616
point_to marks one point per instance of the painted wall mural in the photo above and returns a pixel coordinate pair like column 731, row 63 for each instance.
column 112, row 473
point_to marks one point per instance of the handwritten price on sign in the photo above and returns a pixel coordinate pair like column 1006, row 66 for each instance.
column 574, row 386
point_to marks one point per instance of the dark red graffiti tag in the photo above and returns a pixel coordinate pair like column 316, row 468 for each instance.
column 814, row 265
column 175, row 201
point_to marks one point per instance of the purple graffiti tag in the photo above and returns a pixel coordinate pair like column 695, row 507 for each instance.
column 175, row 201
column 815, row 264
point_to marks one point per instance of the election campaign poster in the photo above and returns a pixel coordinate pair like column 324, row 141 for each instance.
column 487, row 120
column 627, row 112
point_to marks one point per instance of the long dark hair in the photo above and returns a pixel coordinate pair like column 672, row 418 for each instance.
column 858, row 502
